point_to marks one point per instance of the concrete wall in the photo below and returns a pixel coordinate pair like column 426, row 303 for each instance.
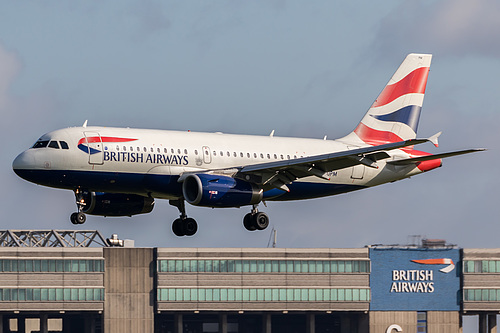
column 130, row 296
column 381, row 320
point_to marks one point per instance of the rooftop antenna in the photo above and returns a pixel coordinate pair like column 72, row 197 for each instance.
column 274, row 236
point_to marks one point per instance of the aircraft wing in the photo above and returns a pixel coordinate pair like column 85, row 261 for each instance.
column 278, row 174
column 407, row 161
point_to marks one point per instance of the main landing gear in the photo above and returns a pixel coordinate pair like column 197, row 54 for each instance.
column 183, row 226
column 79, row 217
column 256, row 220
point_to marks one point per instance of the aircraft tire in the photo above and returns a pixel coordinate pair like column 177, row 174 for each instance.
column 190, row 226
column 177, row 228
column 80, row 218
column 261, row 220
column 248, row 222
column 73, row 218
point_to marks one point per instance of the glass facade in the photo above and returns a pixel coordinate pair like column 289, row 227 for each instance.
column 264, row 266
column 482, row 295
column 264, row 294
column 481, row 266
column 51, row 294
column 51, row 265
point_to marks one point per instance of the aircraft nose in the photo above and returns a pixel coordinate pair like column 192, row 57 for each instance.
column 22, row 163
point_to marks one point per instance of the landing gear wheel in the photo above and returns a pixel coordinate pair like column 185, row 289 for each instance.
column 177, row 228
column 81, row 218
column 73, row 218
column 248, row 222
column 78, row 218
column 190, row 226
column 183, row 226
column 261, row 220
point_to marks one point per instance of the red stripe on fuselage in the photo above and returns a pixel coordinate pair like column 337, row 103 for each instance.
column 93, row 139
column 413, row 83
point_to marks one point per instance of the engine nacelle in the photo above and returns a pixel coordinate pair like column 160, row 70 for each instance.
column 219, row 191
column 115, row 204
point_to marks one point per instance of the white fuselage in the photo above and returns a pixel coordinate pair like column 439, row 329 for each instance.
column 131, row 160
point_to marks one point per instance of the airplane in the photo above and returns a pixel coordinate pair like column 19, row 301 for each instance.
column 121, row 171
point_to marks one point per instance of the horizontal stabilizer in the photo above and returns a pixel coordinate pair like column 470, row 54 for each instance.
column 433, row 157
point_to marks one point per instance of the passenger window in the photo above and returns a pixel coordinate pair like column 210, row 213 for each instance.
column 261, row 155
column 138, row 148
column 144, row 148
column 275, row 157
column 172, row 150
column 248, row 155
column 196, row 152
column 118, row 148
column 215, row 153
column 221, row 153
column 254, row 155
column 152, row 150
column 124, row 148
column 241, row 154
column 268, row 156
column 165, row 150
column 158, row 149
column 228, row 154
column 206, row 152
column 281, row 156
column 40, row 144
column 131, row 148
column 178, row 151
column 185, row 151
column 234, row 154
column 64, row 145
column 288, row 157
column 53, row 144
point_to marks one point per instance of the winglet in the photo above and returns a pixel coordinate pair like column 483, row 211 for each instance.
column 272, row 134
column 85, row 123
column 434, row 139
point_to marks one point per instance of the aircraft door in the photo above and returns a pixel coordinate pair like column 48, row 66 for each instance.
column 358, row 171
column 95, row 147
column 207, row 157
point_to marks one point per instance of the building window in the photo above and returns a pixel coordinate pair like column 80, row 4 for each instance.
column 421, row 322
column 264, row 294
column 264, row 266
column 51, row 265
column 51, row 294
column 481, row 266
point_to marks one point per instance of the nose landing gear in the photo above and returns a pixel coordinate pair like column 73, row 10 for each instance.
column 183, row 226
column 256, row 220
column 79, row 217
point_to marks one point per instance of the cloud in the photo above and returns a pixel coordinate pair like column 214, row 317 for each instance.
column 457, row 27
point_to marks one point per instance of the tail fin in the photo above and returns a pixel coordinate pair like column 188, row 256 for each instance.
column 395, row 113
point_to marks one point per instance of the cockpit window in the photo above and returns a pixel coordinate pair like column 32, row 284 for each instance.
column 64, row 145
column 53, row 144
column 40, row 144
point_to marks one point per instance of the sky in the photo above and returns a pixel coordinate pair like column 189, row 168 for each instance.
column 304, row 69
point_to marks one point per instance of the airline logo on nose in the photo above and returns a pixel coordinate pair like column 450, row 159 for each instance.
column 441, row 261
column 89, row 144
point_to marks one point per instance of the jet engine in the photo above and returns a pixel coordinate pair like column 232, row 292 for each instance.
column 114, row 204
column 219, row 191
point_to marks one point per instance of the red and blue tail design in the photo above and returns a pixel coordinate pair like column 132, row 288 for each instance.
column 395, row 113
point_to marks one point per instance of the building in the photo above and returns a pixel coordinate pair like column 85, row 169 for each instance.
column 119, row 289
